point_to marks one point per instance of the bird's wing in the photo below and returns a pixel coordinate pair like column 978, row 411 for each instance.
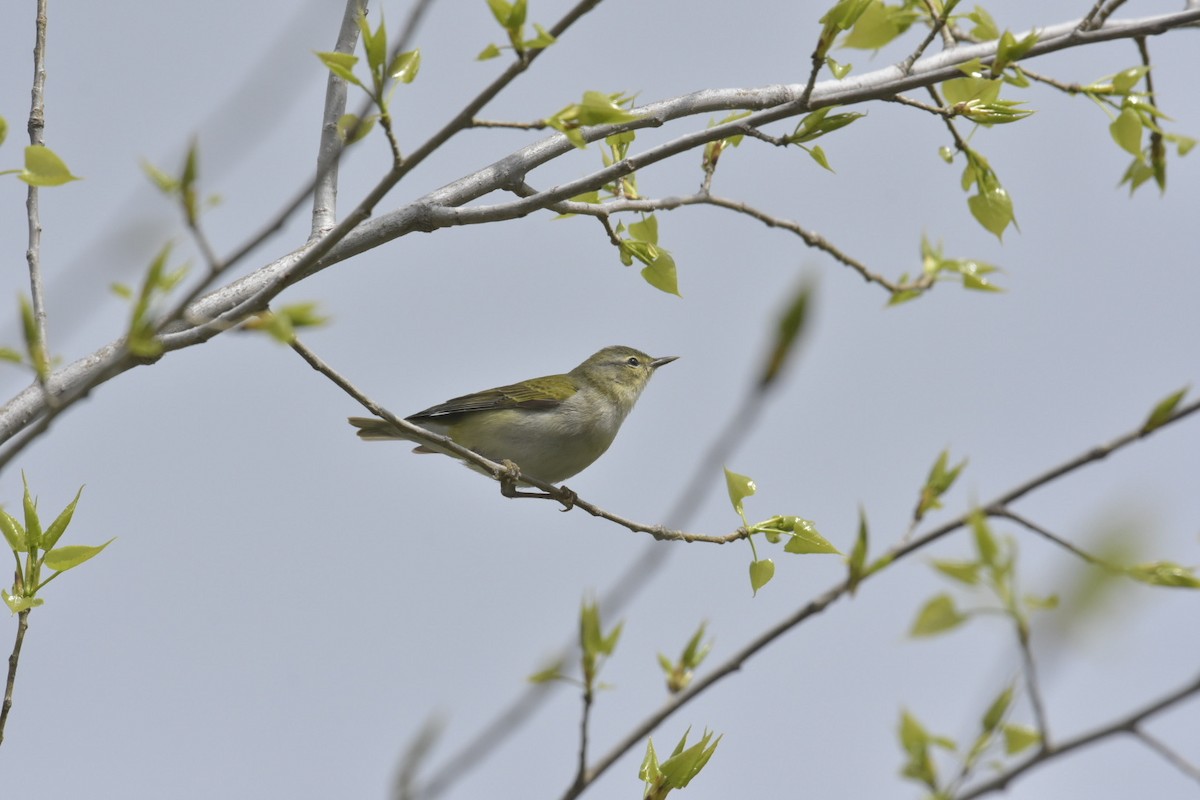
column 539, row 393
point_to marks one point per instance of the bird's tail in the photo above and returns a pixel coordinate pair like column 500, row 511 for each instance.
column 374, row 429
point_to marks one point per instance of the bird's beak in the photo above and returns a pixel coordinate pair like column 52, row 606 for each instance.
column 658, row 362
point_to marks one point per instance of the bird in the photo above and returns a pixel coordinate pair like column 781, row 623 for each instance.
column 551, row 428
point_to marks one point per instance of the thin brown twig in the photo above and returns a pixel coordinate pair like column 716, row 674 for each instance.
column 938, row 26
column 1004, row 512
column 1126, row 724
column 536, row 125
column 1173, row 758
column 815, row 606
column 13, row 659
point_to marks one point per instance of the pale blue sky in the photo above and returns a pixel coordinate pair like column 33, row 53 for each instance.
column 285, row 605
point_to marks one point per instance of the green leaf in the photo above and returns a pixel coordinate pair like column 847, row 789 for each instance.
column 17, row 604
column 374, row 43
column 1162, row 412
column 818, row 155
column 649, row 771
column 985, row 28
column 405, row 66
column 14, row 532
column 1010, row 50
column 1164, row 573
column 1124, row 81
column 964, row 90
column 916, row 741
column 540, row 42
column 962, row 571
column 1019, row 737
column 993, row 210
column 985, row 543
column 56, row 529
column 1126, row 131
column 858, row 555
column 342, row 65
column 646, row 230
column 165, row 183
column 879, row 25
column 937, row 483
column 550, row 673
column 661, row 274
column 3, row 129
column 501, row 10
column 34, row 346
column 696, row 651
column 761, row 572
column 9, row 354
column 937, row 616
column 64, row 558
column 788, row 333
column 679, row 770
column 839, row 70
column 805, row 539
column 33, row 525
column 740, row 487
column 491, row 51
column 43, row 167
column 996, row 711
column 350, row 130
column 598, row 108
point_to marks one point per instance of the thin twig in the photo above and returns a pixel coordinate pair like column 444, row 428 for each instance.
column 735, row 662
column 1108, row 12
column 22, row 626
column 329, row 150
column 1173, row 758
column 1126, row 724
column 939, row 25
column 1032, row 685
column 908, row 101
column 1007, row 513
column 40, row 349
column 536, row 125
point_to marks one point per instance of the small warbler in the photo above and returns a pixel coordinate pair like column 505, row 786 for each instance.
column 551, row 427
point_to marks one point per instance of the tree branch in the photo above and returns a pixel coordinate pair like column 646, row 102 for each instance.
column 13, row 659
column 227, row 305
column 40, row 351
column 329, row 150
column 829, row 596
column 1127, row 724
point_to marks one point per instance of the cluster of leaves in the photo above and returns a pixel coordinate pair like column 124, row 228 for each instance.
column 384, row 76
column 281, row 324
column 936, row 267
column 941, row 477
column 993, row 570
column 595, row 108
column 677, row 771
column 183, row 188
column 1132, row 116
column 511, row 17
column 817, row 124
column 802, row 535
column 142, row 336
column 995, row 734
column 642, row 244
column 38, row 546
column 679, row 673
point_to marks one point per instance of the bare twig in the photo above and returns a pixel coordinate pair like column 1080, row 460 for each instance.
column 1007, row 513
column 1032, row 686
column 1173, row 758
column 536, row 125
column 1126, row 724
column 36, row 126
column 14, row 657
column 938, row 26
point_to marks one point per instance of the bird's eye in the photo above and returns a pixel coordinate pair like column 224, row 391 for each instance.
column 633, row 361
